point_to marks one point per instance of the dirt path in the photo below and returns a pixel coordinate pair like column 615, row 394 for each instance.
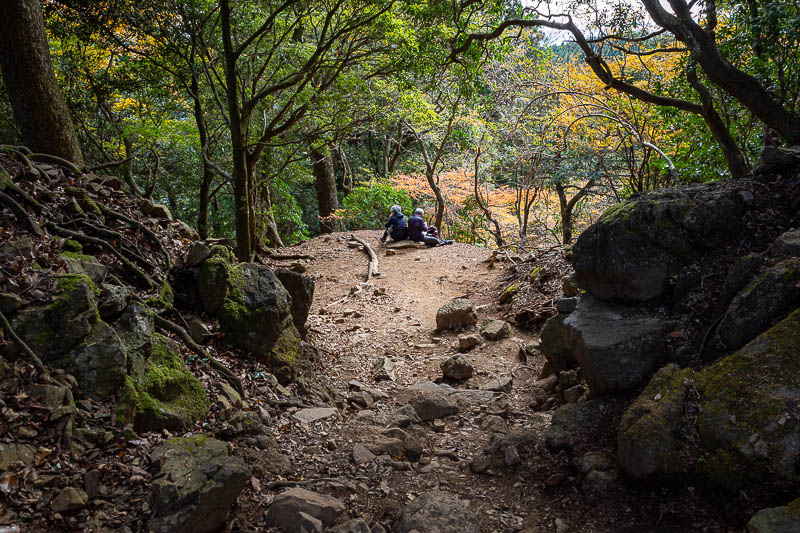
column 355, row 323
column 395, row 315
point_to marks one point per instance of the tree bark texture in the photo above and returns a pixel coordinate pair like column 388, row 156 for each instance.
column 39, row 108
column 325, row 182
column 241, row 196
column 208, row 172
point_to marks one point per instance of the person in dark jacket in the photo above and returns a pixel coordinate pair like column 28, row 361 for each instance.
column 396, row 225
column 419, row 231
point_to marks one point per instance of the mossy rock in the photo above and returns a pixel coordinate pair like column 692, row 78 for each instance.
column 748, row 402
column 98, row 363
column 73, row 246
column 165, row 298
column 52, row 330
column 771, row 295
column 630, row 253
column 256, row 311
column 213, row 278
column 167, row 397
column 78, row 263
column 288, row 358
column 648, row 439
column 83, row 199
column 749, row 434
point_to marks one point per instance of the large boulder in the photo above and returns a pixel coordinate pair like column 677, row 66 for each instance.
column 648, row 438
column 99, row 362
column 771, row 295
column 630, row 253
column 437, row 512
column 456, row 314
column 301, row 290
column 748, row 405
column 196, row 484
column 616, row 351
column 748, row 432
column 167, row 396
column 51, row 331
column 213, row 276
column 69, row 334
column 256, row 310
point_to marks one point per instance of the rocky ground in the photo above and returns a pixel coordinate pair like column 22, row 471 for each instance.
column 356, row 324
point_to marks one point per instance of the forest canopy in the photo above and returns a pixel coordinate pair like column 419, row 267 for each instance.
column 509, row 122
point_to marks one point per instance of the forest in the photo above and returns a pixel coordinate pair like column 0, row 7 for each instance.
column 509, row 123
column 201, row 329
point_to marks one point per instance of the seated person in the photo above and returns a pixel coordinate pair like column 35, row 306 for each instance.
column 419, row 231
column 396, row 226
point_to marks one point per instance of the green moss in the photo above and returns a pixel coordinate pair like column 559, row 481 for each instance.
column 167, row 385
column 167, row 395
column 223, row 252
column 794, row 507
column 287, row 350
column 125, row 407
column 213, row 278
column 742, row 396
column 165, row 298
column 621, row 211
column 82, row 196
column 190, row 444
column 73, row 246
column 649, row 432
column 68, row 284
column 535, row 274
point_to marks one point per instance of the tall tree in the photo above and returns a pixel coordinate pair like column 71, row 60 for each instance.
column 39, row 109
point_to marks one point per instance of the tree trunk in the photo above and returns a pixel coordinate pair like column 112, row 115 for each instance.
column 127, row 171
column 325, row 183
column 566, row 215
column 39, row 108
column 216, row 224
column 273, row 236
column 241, row 196
column 568, row 206
column 733, row 155
column 208, row 172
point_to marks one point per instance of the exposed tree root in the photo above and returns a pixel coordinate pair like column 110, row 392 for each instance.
column 182, row 334
column 372, row 269
column 37, row 362
column 147, row 232
column 82, row 237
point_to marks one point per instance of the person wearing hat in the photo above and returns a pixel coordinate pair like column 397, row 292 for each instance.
column 396, row 225
column 419, row 231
